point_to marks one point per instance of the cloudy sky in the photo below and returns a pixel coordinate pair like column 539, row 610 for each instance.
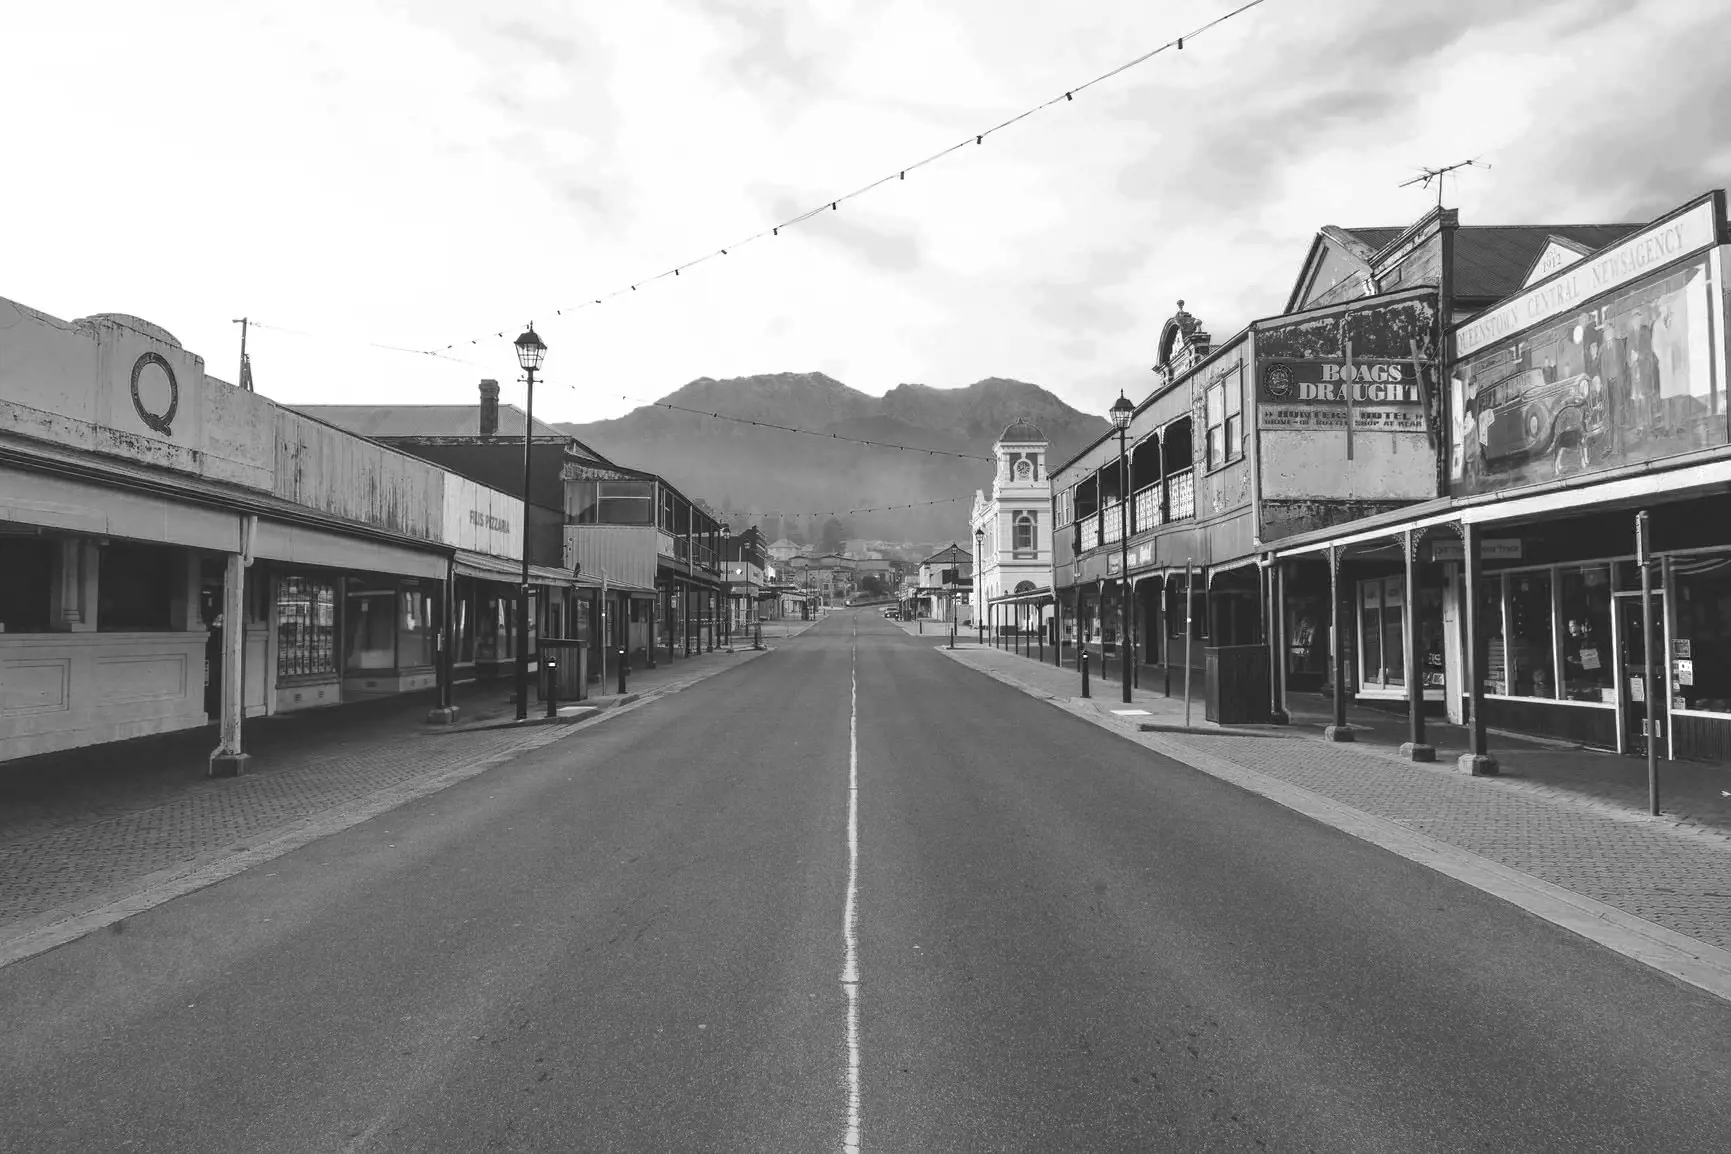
column 421, row 172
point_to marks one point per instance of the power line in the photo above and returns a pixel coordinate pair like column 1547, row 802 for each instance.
column 358, row 342
column 808, row 432
column 843, row 512
column 833, row 204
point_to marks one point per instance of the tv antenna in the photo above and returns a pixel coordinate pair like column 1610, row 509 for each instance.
column 1436, row 174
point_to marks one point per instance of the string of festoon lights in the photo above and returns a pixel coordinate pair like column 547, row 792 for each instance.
column 752, row 513
column 356, row 341
column 833, row 204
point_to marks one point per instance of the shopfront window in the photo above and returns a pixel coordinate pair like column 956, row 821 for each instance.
column 417, row 630
column 369, row 630
column 1701, row 643
column 463, row 623
column 1490, row 627
column 26, row 583
column 612, row 502
column 306, row 627
column 1382, row 631
column 1584, row 606
column 1532, row 659
column 135, row 588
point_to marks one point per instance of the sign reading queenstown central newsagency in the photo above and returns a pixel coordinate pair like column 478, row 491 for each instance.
column 1312, row 394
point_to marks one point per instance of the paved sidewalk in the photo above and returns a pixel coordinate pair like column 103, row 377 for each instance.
column 86, row 829
column 1673, row 874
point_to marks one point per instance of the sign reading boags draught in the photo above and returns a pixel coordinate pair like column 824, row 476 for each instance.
column 1312, row 394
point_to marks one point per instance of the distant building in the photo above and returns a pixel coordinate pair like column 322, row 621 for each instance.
column 943, row 587
column 1013, row 584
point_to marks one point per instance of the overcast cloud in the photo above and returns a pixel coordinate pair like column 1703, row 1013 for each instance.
column 414, row 173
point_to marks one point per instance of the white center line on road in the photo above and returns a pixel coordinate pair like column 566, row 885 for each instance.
column 850, row 911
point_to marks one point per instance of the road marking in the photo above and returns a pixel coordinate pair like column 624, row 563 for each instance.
column 850, row 911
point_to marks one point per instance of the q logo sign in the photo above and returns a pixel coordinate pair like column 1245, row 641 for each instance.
column 155, row 395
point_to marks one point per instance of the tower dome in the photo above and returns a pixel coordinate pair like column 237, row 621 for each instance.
column 1021, row 432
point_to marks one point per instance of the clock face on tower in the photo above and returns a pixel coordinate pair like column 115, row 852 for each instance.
column 1024, row 471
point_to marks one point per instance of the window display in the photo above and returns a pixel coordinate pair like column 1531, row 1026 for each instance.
column 306, row 627
column 417, row 628
column 1584, row 607
column 1531, row 659
column 1490, row 626
column 369, row 630
column 1701, row 639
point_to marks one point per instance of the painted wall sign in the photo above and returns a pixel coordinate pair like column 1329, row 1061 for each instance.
column 1629, row 377
column 1690, row 231
column 1311, row 394
column 155, row 392
column 482, row 519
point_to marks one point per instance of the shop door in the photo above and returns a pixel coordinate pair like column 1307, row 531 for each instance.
column 210, row 616
column 1638, row 698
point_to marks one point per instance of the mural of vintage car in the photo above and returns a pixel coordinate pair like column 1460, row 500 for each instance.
column 1527, row 415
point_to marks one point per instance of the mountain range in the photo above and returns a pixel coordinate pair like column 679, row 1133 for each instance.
column 792, row 483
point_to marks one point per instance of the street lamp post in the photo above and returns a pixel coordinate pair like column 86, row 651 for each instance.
column 979, row 584
column 1122, row 410
column 530, row 351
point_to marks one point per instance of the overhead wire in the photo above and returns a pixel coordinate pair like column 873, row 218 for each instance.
column 834, row 203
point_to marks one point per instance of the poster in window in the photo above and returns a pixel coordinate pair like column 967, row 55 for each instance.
column 1629, row 379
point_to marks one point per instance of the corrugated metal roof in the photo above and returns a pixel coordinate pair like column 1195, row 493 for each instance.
column 1491, row 261
column 423, row 420
column 1376, row 238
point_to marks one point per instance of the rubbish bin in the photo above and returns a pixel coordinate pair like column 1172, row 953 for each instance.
column 1236, row 684
column 567, row 659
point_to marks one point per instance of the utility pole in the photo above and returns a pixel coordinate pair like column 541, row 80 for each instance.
column 244, row 377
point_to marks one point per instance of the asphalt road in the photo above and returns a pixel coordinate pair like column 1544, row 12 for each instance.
column 634, row 940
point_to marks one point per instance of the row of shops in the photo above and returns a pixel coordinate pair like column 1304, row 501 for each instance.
column 1420, row 487
column 145, row 505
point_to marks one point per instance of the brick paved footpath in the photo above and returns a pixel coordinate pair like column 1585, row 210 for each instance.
column 88, row 830
column 1597, row 842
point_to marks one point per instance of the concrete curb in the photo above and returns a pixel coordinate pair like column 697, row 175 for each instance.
column 1677, row 955
column 57, row 928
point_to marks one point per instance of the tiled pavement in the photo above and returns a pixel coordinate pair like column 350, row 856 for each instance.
column 1597, row 842
column 83, row 829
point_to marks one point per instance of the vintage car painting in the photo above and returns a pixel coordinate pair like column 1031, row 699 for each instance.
column 1527, row 416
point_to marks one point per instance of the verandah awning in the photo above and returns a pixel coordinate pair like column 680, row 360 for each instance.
column 486, row 567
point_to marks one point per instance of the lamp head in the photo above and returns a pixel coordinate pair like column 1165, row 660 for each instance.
column 1122, row 410
column 530, row 350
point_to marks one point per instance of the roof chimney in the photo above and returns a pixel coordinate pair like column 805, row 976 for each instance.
column 489, row 408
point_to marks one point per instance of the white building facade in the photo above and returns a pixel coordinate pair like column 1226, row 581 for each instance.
column 1013, row 528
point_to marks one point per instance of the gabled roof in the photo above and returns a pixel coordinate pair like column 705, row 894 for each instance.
column 424, row 420
column 1492, row 261
column 951, row 553
column 1375, row 239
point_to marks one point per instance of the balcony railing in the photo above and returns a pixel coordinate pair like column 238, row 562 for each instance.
column 1147, row 508
column 1090, row 531
column 1112, row 524
column 1181, row 495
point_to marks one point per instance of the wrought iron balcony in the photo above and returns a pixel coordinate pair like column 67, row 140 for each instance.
column 1181, row 495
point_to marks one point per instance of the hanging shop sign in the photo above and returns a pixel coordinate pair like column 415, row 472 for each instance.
column 1490, row 549
column 1313, row 394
